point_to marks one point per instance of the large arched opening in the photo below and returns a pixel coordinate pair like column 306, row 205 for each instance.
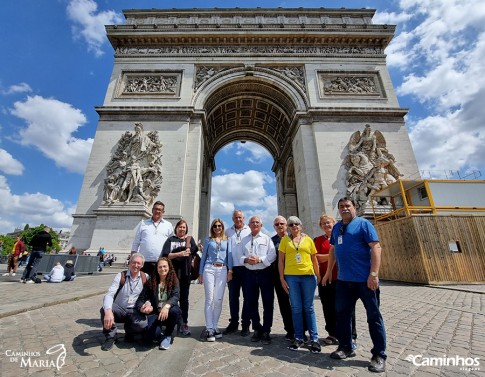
column 251, row 105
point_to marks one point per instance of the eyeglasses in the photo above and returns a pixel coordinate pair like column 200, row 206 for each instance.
column 217, row 226
column 278, row 224
column 293, row 224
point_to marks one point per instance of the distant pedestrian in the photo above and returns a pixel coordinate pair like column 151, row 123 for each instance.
column 39, row 245
column 69, row 273
column 14, row 256
column 56, row 275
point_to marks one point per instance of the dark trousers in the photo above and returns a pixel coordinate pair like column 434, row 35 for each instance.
column 235, row 288
column 327, row 295
column 283, row 302
column 34, row 261
column 150, row 268
column 134, row 321
column 257, row 281
column 347, row 294
column 155, row 328
column 184, row 298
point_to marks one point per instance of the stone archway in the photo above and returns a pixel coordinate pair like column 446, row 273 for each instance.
column 259, row 105
column 301, row 82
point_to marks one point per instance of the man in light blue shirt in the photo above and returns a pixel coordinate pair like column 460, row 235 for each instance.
column 150, row 236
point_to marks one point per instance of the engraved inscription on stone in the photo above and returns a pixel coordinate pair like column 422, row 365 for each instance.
column 134, row 173
column 349, row 84
column 149, row 84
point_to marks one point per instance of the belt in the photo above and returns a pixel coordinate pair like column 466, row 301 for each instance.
column 217, row 264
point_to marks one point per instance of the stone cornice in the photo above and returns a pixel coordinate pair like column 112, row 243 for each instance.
column 260, row 26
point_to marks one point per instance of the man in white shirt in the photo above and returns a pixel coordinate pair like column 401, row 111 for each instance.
column 235, row 234
column 150, row 236
column 258, row 254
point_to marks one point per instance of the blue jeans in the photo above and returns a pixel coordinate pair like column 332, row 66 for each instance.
column 347, row 295
column 302, row 293
column 30, row 271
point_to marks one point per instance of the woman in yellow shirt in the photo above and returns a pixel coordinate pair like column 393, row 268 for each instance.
column 298, row 268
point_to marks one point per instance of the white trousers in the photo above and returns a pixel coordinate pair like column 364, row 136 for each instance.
column 215, row 279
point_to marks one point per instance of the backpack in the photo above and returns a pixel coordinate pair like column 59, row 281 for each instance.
column 144, row 279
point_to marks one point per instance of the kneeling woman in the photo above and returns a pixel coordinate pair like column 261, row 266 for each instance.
column 159, row 300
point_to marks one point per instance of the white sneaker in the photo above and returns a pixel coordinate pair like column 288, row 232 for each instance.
column 29, row 282
column 13, row 274
column 6, row 274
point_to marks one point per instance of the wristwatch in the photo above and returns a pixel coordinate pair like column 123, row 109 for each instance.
column 374, row 274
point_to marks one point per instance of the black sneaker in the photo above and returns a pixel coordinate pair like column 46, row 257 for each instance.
column 377, row 364
column 341, row 354
column 315, row 347
column 296, row 345
column 231, row 329
column 108, row 344
column 245, row 331
column 265, row 338
column 256, row 336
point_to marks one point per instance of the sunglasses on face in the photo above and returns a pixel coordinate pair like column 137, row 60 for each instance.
column 217, row 226
column 278, row 224
column 294, row 224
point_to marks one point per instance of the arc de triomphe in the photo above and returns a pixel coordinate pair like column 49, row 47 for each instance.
column 303, row 83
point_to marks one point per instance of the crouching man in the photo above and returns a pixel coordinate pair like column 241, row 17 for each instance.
column 119, row 303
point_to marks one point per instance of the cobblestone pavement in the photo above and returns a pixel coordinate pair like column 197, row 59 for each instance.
column 420, row 320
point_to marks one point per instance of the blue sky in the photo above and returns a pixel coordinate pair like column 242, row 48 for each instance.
column 56, row 63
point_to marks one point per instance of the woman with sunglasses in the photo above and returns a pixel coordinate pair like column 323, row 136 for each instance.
column 299, row 273
column 214, row 272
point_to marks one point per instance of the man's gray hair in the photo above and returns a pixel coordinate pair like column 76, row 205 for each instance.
column 137, row 255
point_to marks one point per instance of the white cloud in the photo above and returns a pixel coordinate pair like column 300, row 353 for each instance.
column 33, row 209
column 441, row 54
column 10, row 165
column 17, row 88
column 257, row 153
column 50, row 128
column 89, row 23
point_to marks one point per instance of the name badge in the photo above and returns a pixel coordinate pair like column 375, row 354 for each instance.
column 340, row 240
column 298, row 258
column 131, row 300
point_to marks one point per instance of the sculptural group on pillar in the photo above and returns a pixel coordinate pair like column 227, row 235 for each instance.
column 370, row 166
column 134, row 173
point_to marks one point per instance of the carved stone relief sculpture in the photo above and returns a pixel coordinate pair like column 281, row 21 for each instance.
column 370, row 166
column 295, row 74
column 149, row 84
column 134, row 172
column 204, row 73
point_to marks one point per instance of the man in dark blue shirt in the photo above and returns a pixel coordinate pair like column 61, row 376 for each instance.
column 356, row 249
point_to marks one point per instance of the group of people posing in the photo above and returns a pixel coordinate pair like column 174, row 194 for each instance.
column 152, row 296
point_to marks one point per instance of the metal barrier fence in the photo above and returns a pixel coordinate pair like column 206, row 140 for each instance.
column 82, row 263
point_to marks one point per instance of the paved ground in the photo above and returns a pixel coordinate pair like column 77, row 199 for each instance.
column 428, row 321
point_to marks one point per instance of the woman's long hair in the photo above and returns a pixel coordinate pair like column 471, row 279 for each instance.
column 171, row 279
column 213, row 235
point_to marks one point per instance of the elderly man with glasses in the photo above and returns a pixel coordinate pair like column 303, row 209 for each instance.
column 258, row 254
